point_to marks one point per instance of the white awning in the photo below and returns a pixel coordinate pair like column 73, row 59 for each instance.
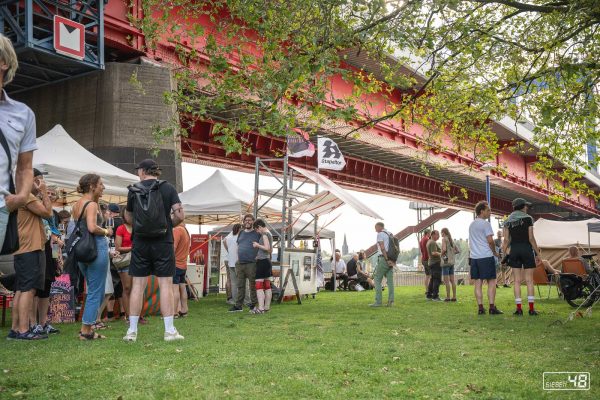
column 319, row 204
column 343, row 195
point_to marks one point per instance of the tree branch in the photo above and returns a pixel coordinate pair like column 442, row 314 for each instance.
column 546, row 8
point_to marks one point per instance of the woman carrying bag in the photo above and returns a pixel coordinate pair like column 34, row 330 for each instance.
column 449, row 252
column 86, row 211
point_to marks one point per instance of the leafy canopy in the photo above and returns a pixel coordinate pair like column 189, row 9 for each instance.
column 266, row 66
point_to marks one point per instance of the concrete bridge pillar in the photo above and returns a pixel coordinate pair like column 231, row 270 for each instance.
column 112, row 113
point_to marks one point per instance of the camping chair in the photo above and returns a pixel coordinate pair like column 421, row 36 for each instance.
column 541, row 278
column 573, row 266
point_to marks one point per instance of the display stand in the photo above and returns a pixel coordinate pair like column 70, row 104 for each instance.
column 284, row 285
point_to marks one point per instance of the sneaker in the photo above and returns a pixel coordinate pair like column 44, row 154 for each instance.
column 171, row 337
column 235, row 309
column 49, row 329
column 12, row 335
column 30, row 336
column 37, row 329
column 533, row 312
column 390, row 304
column 506, row 285
column 481, row 311
column 518, row 313
column 375, row 305
column 231, row 302
column 495, row 311
column 436, row 299
column 130, row 337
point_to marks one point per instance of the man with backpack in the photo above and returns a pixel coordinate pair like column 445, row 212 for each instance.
column 387, row 254
column 153, row 208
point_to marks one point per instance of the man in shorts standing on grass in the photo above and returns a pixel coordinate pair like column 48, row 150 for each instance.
column 152, row 252
column 483, row 250
column 30, row 259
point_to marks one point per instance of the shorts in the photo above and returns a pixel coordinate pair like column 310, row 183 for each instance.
column 30, row 270
column 179, row 277
column 448, row 270
column 51, row 265
column 45, row 293
column 483, row 268
column 263, row 269
column 118, row 286
column 426, row 267
column 521, row 256
column 152, row 258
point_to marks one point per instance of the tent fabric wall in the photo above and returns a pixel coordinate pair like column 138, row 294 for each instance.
column 555, row 237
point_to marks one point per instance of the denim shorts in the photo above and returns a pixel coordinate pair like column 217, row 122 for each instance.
column 179, row 277
column 448, row 270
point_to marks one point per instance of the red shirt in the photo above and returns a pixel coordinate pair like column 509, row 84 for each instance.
column 423, row 247
column 125, row 235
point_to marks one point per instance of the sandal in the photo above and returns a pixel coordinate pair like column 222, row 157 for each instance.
column 182, row 314
column 90, row 336
column 98, row 326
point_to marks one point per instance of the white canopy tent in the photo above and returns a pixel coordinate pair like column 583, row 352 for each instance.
column 218, row 200
column 555, row 237
column 66, row 161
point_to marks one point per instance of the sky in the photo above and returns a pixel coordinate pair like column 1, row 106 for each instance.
column 359, row 229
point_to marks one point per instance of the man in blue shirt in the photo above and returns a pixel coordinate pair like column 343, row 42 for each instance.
column 245, row 268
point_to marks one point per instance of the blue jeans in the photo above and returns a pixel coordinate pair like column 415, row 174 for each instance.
column 95, row 280
column 382, row 270
column 3, row 222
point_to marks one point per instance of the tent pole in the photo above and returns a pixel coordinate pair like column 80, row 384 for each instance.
column 282, row 237
column 256, row 176
column 589, row 242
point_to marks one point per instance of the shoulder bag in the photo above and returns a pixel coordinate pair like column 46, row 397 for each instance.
column 11, row 239
column 81, row 243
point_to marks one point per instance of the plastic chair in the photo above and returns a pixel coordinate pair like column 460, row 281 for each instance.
column 541, row 278
column 573, row 266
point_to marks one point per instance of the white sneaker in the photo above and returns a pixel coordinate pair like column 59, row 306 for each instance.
column 170, row 337
column 130, row 337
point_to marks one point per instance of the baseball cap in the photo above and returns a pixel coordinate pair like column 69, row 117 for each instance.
column 112, row 207
column 147, row 164
column 518, row 202
column 37, row 172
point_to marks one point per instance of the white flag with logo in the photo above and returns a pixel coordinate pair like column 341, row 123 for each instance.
column 330, row 156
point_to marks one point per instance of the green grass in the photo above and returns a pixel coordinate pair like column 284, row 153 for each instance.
column 333, row 346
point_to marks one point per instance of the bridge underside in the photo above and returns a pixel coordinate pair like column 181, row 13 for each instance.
column 382, row 170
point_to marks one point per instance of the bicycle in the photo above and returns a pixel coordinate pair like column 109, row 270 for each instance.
column 581, row 291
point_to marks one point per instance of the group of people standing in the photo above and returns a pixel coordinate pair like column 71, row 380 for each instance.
column 249, row 261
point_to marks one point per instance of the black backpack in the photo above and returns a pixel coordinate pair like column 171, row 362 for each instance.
column 393, row 247
column 149, row 219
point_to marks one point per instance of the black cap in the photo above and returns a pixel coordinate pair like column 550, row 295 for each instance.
column 147, row 164
column 112, row 207
column 519, row 202
column 37, row 172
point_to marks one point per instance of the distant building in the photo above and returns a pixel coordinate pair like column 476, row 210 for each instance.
column 345, row 246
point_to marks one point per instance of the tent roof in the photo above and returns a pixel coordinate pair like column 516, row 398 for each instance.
column 275, row 228
column 66, row 161
column 562, row 234
column 217, row 199
column 319, row 204
column 345, row 196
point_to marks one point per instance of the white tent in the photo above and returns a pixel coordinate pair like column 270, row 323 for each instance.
column 555, row 237
column 217, row 199
column 66, row 161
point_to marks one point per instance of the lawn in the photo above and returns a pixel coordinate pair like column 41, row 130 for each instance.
column 333, row 346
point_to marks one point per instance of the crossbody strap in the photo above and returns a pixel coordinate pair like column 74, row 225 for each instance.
column 11, row 184
column 82, row 212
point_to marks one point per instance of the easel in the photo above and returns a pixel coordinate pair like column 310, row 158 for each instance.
column 289, row 273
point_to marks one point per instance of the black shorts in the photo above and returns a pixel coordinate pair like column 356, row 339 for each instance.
column 179, row 277
column 263, row 269
column 30, row 270
column 521, row 256
column 51, row 265
column 117, row 285
column 152, row 258
column 483, row 268
column 44, row 294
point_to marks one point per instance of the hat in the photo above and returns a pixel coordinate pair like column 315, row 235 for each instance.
column 519, row 202
column 37, row 172
column 112, row 207
column 147, row 164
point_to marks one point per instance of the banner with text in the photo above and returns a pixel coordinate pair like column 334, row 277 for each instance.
column 329, row 155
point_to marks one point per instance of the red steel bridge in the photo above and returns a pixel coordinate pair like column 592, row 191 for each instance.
column 387, row 159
